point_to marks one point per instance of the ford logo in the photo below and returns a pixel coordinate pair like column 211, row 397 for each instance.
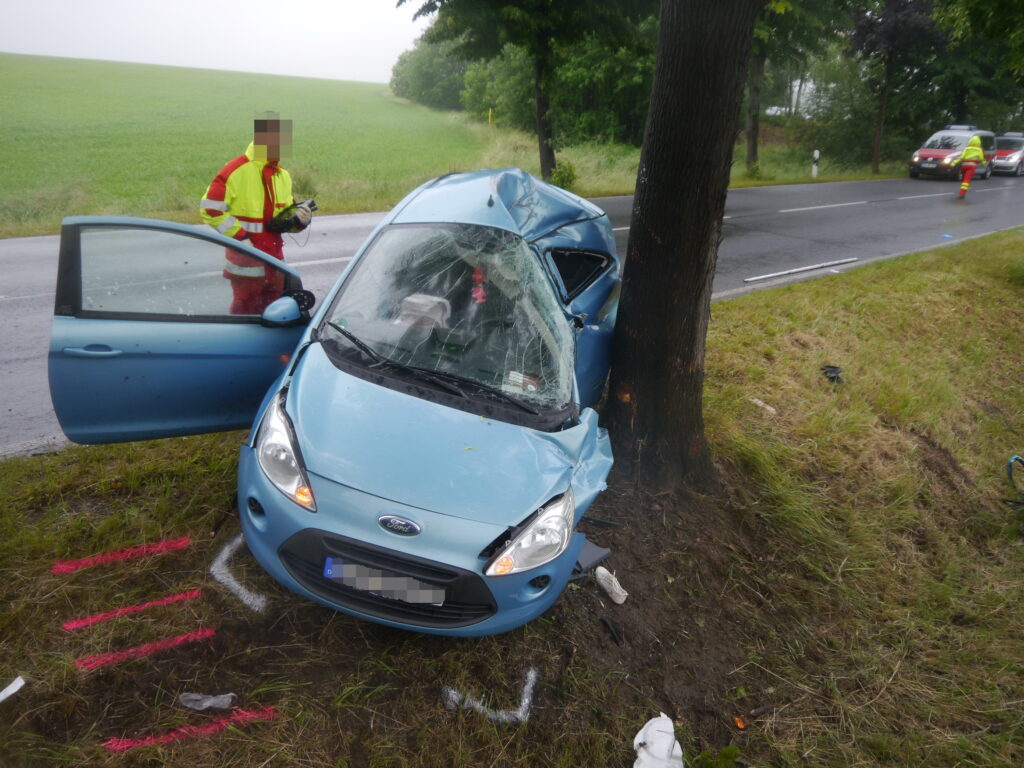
column 398, row 525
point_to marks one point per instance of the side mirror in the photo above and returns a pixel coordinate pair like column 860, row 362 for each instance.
column 283, row 313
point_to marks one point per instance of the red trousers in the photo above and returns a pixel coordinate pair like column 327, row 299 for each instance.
column 251, row 294
column 966, row 174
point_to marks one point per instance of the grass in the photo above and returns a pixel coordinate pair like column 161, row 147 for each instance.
column 94, row 137
column 855, row 595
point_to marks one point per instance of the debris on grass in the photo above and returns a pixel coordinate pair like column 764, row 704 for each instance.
column 763, row 405
column 200, row 702
column 832, row 373
column 610, row 584
column 656, row 745
column 612, row 630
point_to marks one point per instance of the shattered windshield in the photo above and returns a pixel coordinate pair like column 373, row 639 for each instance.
column 946, row 141
column 468, row 301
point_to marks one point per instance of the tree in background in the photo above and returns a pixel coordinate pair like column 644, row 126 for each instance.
column 655, row 405
column 901, row 39
column 993, row 20
column 788, row 35
column 480, row 29
column 429, row 74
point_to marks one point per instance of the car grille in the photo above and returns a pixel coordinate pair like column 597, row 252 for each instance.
column 467, row 601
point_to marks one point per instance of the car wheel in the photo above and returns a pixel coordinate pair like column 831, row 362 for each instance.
column 988, row 171
column 1020, row 169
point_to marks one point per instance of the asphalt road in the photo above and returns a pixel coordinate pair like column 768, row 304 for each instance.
column 766, row 230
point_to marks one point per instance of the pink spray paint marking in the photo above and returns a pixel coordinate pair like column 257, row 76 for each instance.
column 140, row 651
column 236, row 717
column 143, row 550
column 96, row 618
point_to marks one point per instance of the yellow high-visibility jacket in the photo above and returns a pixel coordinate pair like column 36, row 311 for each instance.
column 973, row 153
column 245, row 195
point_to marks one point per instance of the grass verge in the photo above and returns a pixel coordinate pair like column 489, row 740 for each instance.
column 854, row 597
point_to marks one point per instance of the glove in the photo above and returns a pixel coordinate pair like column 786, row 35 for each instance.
column 303, row 215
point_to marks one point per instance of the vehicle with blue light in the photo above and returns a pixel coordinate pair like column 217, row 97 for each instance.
column 940, row 154
column 423, row 445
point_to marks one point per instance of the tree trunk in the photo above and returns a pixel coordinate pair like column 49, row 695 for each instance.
column 883, row 102
column 799, row 93
column 757, row 62
column 655, row 403
column 542, row 107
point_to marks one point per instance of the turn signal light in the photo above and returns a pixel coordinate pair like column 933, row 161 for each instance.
column 304, row 495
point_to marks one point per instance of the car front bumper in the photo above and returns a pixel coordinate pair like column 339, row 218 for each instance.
column 1001, row 166
column 935, row 168
column 291, row 543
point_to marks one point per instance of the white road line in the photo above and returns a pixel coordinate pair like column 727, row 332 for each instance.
column 800, row 269
column 915, row 197
column 819, row 207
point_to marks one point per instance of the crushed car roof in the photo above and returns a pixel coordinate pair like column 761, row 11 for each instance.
column 509, row 199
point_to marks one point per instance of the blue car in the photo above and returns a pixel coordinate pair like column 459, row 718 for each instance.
column 423, row 446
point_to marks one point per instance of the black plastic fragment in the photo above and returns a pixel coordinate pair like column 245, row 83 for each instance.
column 832, row 373
column 590, row 557
column 600, row 523
column 612, row 630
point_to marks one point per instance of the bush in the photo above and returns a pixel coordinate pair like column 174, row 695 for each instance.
column 564, row 175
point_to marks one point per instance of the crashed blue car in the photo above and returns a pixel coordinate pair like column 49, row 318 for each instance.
column 423, row 446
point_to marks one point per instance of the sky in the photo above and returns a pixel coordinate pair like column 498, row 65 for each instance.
column 336, row 39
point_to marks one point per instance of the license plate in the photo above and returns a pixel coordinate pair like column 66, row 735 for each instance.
column 382, row 583
column 928, row 165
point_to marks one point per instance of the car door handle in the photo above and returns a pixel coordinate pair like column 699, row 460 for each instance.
column 93, row 350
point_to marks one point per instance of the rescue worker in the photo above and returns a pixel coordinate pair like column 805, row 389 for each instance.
column 242, row 202
column 972, row 155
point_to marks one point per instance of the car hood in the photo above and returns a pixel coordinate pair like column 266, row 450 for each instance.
column 422, row 454
column 937, row 153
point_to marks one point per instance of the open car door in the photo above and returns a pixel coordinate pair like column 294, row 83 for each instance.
column 144, row 343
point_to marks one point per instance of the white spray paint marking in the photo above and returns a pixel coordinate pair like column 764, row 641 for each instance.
column 619, row 229
column 13, row 688
column 219, row 569
column 453, row 700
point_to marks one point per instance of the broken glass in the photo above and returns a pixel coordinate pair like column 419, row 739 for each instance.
column 463, row 300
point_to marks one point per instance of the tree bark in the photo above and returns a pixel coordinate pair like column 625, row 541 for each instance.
column 757, row 62
column 655, row 403
column 542, row 108
column 883, row 102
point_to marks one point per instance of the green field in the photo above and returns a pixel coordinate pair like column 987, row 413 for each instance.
column 99, row 137
column 95, row 137
column 855, row 595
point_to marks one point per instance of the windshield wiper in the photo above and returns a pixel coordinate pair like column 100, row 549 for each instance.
column 423, row 373
column 443, row 379
column 485, row 387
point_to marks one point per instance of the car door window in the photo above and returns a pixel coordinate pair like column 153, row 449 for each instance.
column 137, row 271
column 577, row 269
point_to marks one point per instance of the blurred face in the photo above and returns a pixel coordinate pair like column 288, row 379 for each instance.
column 272, row 139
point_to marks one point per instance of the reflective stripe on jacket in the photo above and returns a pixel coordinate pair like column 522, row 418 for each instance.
column 245, row 195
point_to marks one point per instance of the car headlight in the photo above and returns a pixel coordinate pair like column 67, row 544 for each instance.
column 278, row 454
column 914, row 159
column 1011, row 158
column 544, row 539
column 951, row 158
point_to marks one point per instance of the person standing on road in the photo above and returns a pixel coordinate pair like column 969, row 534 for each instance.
column 972, row 155
column 244, row 201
